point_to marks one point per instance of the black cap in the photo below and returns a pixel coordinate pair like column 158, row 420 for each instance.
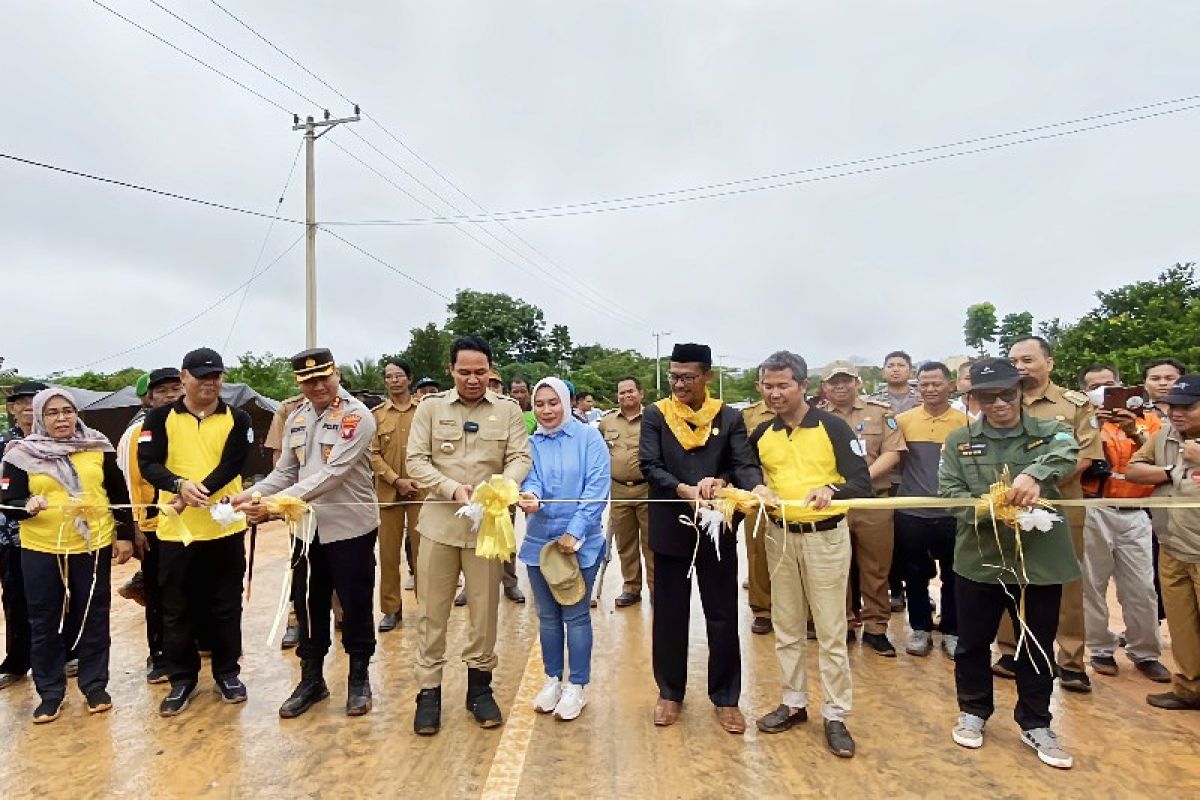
column 203, row 362
column 690, row 352
column 315, row 363
column 1185, row 391
column 994, row 373
column 162, row 375
column 427, row 382
column 27, row 389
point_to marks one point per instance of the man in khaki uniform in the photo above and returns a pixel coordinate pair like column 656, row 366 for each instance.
column 758, row 566
column 628, row 515
column 393, row 420
column 459, row 439
column 881, row 444
column 1045, row 400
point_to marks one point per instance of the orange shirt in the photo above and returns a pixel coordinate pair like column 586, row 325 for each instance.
column 1118, row 450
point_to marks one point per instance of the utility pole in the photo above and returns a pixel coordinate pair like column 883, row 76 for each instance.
column 309, row 126
column 658, row 360
column 721, row 375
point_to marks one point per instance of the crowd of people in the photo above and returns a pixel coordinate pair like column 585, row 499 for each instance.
column 1018, row 575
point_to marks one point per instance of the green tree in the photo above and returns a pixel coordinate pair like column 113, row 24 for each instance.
column 364, row 374
column 1134, row 324
column 514, row 329
column 268, row 374
column 1013, row 328
column 980, row 327
column 428, row 353
column 102, row 381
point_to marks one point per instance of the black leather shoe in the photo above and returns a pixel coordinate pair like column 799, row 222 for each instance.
column 310, row 691
column 514, row 594
column 358, row 687
column 389, row 622
column 781, row 719
column 480, row 701
column 291, row 637
column 428, row 719
column 461, row 600
column 1074, row 681
column 762, row 626
column 838, row 738
column 1154, row 670
column 1005, row 667
column 880, row 643
column 627, row 599
column 1172, row 702
column 1107, row 665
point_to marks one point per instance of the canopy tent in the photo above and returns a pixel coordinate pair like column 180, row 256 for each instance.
column 110, row 413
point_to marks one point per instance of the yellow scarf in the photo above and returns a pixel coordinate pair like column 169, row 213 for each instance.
column 691, row 428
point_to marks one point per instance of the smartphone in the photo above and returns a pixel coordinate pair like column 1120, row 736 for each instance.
column 1129, row 398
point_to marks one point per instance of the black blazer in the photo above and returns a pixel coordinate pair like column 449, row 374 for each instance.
column 666, row 465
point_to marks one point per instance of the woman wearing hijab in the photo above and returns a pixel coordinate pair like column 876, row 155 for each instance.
column 570, row 462
column 67, row 557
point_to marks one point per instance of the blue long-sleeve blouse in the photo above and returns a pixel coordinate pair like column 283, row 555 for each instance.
column 571, row 463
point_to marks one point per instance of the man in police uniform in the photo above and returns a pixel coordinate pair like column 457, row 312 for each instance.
column 399, row 497
column 16, row 611
column 459, row 439
column 627, row 517
column 325, row 462
column 758, row 567
column 871, row 533
column 1045, row 400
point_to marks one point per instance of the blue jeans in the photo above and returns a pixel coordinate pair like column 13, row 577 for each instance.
column 569, row 626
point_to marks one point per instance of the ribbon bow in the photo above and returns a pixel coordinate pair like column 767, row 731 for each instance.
column 488, row 512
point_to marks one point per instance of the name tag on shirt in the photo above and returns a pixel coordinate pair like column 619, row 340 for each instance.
column 972, row 449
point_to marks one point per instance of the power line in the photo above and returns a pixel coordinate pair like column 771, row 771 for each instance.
column 263, row 247
column 604, row 302
column 140, row 188
column 198, row 60
column 196, row 316
column 597, row 207
column 394, row 269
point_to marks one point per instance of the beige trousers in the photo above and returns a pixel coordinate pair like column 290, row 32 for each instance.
column 438, row 566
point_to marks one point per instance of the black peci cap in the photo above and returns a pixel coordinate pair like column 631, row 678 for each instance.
column 315, row 363
column 26, row 389
column 203, row 362
column 162, row 375
column 994, row 373
column 1185, row 391
column 690, row 352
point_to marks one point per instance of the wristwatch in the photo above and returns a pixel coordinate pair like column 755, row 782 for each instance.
column 178, row 485
column 1170, row 470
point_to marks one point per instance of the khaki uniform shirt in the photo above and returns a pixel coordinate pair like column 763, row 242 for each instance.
column 1075, row 411
column 390, row 446
column 622, row 435
column 274, row 440
column 443, row 456
column 877, row 432
column 325, row 462
column 1179, row 529
column 756, row 414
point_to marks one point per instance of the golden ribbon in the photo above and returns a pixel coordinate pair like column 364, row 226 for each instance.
column 691, row 427
column 496, row 539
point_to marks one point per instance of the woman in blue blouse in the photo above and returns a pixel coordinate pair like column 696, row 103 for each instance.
column 570, row 460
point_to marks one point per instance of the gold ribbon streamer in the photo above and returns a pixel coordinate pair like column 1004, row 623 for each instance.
column 496, row 538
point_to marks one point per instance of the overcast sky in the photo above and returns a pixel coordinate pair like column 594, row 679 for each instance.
column 527, row 105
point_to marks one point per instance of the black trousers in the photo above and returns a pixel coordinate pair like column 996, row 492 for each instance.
column 45, row 593
column 201, row 586
column 348, row 568
column 16, row 612
column 154, row 614
column 980, row 606
column 920, row 543
column 672, row 595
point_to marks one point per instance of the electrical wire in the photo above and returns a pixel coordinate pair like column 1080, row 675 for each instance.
column 140, row 188
column 263, row 247
column 394, row 269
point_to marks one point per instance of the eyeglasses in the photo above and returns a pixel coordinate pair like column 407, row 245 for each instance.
column 55, row 413
column 682, row 380
column 988, row 398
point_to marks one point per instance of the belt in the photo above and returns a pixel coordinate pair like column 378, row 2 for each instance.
column 827, row 524
column 631, row 484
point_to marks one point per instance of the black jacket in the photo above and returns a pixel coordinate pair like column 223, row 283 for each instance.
column 666, row 465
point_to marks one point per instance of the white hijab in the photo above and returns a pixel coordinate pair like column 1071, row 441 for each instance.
column 564, row 397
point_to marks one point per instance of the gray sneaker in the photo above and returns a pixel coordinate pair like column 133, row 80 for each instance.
column 969, row 731
column 949, row 645
column 920, row 643
column 1045, row 741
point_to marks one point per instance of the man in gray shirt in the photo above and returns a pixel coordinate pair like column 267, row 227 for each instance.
column 325, row 462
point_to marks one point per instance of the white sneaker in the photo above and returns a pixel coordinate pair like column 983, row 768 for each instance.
column 571, row 704
column 1048, row 748
column 969, row 731
column 920, row 643
column 548, row 697
column 949, row 645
